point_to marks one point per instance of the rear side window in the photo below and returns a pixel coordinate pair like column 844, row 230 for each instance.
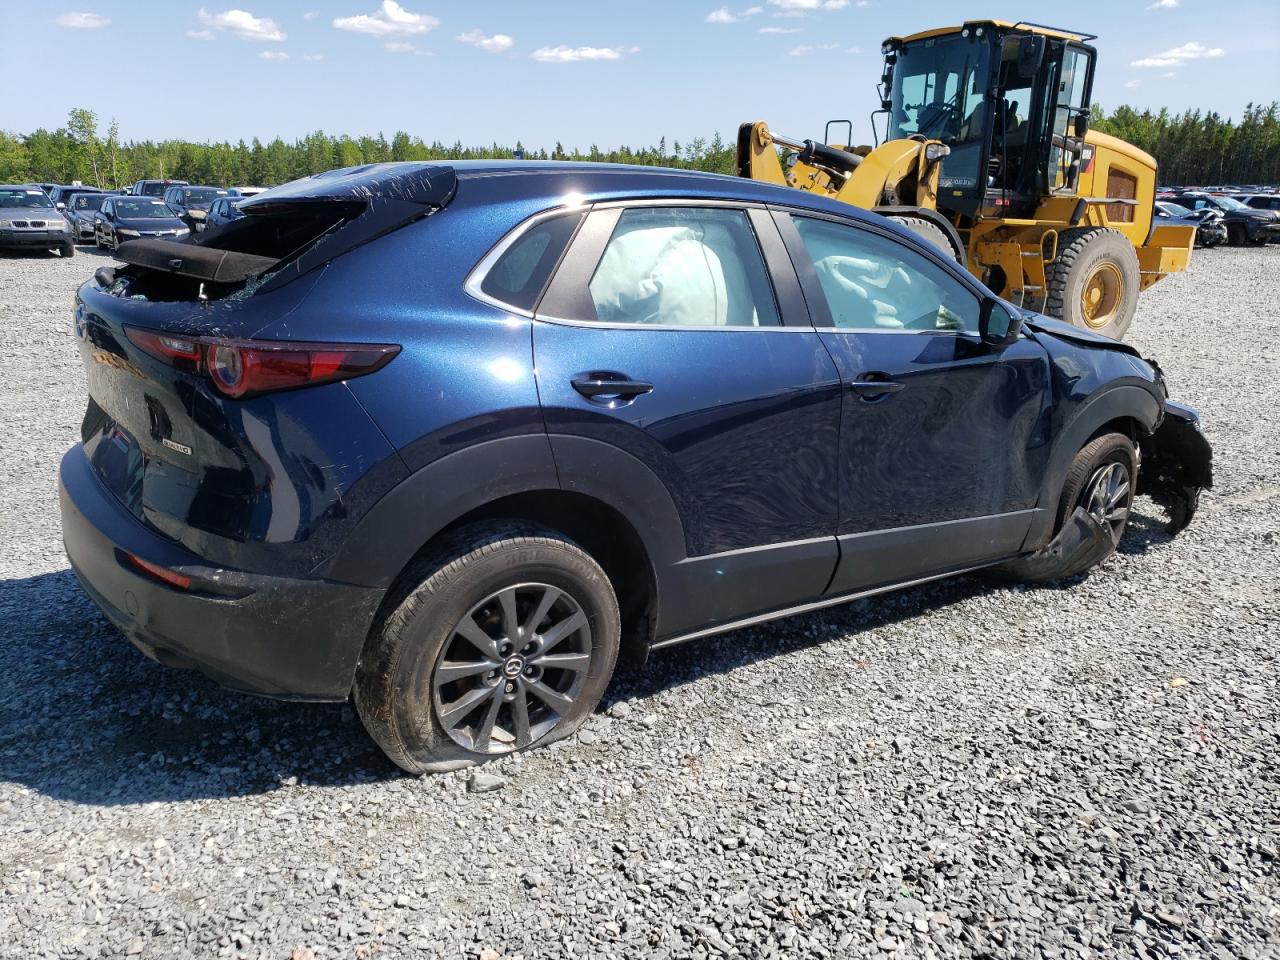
column 521, row 273
column 685, row 267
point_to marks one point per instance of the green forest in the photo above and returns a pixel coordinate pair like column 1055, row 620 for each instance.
column 1191, row 148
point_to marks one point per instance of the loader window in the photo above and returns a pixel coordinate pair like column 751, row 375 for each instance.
column 1071, row 101
column 939, row 93
column 873, row 283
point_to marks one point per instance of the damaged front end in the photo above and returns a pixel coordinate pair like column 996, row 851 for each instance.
column 1177, row 463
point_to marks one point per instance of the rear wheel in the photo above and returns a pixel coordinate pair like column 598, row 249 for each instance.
column 1094, row 281
column 507, row 641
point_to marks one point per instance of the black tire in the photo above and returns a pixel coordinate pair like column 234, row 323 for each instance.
column 399, row 691
column 1237, row 236
column 1087, row 468
column 68, row 249
column 1084, row 254
column 927, row 230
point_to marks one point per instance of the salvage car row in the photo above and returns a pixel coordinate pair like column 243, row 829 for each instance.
column 46, row 216
column 1238, row 218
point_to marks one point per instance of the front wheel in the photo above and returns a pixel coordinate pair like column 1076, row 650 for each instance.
column 506, row 640
column 68, row 249
column 1101, row 481
column 1093, row 282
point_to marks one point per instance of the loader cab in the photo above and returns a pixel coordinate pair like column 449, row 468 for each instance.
column 1010, row 100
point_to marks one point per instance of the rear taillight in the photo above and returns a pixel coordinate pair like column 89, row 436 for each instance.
column 242, row 368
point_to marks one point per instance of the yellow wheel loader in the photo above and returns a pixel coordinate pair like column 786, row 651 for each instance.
column 987, row 152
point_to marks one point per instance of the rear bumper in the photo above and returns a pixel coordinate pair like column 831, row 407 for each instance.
column 33, row 239
column 273, row 636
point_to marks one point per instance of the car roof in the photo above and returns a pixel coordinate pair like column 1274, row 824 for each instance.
column 551, row 180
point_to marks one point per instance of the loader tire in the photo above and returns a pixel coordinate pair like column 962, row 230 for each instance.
column 931, row 232
column 1094, row 281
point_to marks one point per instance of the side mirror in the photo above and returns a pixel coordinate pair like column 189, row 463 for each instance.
column 60, row 205
column 1081, row 125
column 1030, row 54
column 997, row 326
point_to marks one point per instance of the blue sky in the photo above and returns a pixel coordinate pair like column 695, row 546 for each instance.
column 578, row 71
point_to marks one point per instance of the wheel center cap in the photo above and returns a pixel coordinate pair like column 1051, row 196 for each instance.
column 513, row 667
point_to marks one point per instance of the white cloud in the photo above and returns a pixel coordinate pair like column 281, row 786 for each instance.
column 311, row 15
column 805, row 49
column 242, row 23
column 273, row 55
column 1168, row 76
column 403, row 46
column 1133, row 83
column 82, row 21
column 1163, row 5
column 199, row 34
column 1180, row 55
column 497, row 43
column 564, row 54
column 780, row 30
column 313, row 57
column 389, row 20
column 725, row 15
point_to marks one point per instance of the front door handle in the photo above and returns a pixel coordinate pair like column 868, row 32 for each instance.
column 873, row 389
column 610, row 386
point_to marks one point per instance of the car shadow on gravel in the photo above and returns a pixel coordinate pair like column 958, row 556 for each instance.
column 689, row 662
column 86, row 718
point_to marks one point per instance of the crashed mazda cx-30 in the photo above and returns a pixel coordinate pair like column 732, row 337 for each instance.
column 450, row 437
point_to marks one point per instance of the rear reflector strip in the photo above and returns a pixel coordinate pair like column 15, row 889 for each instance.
column 170, row 577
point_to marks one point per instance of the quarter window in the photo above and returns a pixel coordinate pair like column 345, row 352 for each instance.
column 685, row 267
column 874, row 283
column 522, row 271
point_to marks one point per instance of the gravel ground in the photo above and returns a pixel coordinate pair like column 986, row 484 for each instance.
column 957, row 770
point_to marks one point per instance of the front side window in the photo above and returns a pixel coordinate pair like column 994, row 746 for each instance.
column 684, row 267
column 873, row 283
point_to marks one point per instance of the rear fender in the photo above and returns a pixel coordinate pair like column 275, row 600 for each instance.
column 1177, row 463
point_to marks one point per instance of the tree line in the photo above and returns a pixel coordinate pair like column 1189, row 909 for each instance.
column 1191, row 148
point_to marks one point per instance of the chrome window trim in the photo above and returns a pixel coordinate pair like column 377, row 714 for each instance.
column 475, row 279
column 684, row 328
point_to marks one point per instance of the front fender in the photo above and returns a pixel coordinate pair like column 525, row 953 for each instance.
column 1124, row 401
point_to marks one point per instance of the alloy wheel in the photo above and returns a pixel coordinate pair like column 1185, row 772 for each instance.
column 1108, row 497
column 512, row 668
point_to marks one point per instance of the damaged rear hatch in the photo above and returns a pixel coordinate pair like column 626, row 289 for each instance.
column 186, row 411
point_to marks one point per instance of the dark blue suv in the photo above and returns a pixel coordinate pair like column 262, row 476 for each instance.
column 451, row 437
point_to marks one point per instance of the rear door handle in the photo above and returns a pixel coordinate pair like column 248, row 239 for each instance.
column 592, row 386
column 870, row 389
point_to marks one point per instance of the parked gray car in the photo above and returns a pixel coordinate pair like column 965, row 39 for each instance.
column 81, row 209
column 30, row 221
